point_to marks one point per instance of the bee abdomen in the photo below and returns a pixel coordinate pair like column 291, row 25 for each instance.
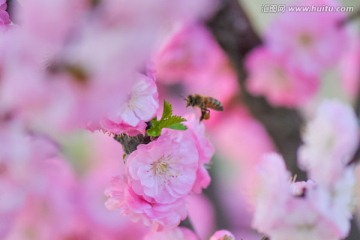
column 214, row 104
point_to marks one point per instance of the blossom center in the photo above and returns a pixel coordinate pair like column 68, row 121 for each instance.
column 281, row 78
column 305, row 40
column 162, row 168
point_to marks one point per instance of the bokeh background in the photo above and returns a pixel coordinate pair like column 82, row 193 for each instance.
column 189, row 61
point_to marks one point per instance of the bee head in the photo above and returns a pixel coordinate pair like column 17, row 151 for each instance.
column 189, row 100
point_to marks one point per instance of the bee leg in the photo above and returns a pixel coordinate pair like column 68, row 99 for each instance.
column 205, row 114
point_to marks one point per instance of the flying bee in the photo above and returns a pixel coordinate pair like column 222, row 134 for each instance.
column 204, row 102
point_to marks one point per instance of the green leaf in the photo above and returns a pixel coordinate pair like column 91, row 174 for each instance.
column 171, row 121
column 167, row 112
column 153, row 132
column 167, row 121
column 178, row 126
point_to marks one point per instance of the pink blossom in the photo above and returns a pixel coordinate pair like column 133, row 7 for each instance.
column 222, row 235
column 164, row 170
column 308, row 38
column 140, row 107
column 282, row 86
column 205, row 150
column 161, row 174
column 329, row 142
column 178, row 233
column 159, row 216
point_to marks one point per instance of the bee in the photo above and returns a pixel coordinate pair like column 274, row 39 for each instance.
column 204, row 102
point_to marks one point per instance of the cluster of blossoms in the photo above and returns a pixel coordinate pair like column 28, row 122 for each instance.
column 160, row 175
column 320, row 208
column 298, row 48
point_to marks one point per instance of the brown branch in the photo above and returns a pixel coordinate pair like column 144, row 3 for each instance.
column 357, row 100
column 350, row 18
column 233, row 31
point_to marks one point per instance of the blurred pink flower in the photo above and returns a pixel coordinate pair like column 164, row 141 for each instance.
column 305, row 210
column 282, row 86
column 178, row 233
column 201, row 214
column 222, row 235
column 300, row 188
column 21, row 160
column 164, row 170
column 192, row 57
column 190, row 51
column 240, row 144
column 336, row 204
column 49, row 212
column 311, row 41
column 329, row 142
column 348, row 67
column 4, row 19
column 272, row 190
column 4, row 16
column 79, row 47
column 3, row 5
column 105, row 161
column 72, row 98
